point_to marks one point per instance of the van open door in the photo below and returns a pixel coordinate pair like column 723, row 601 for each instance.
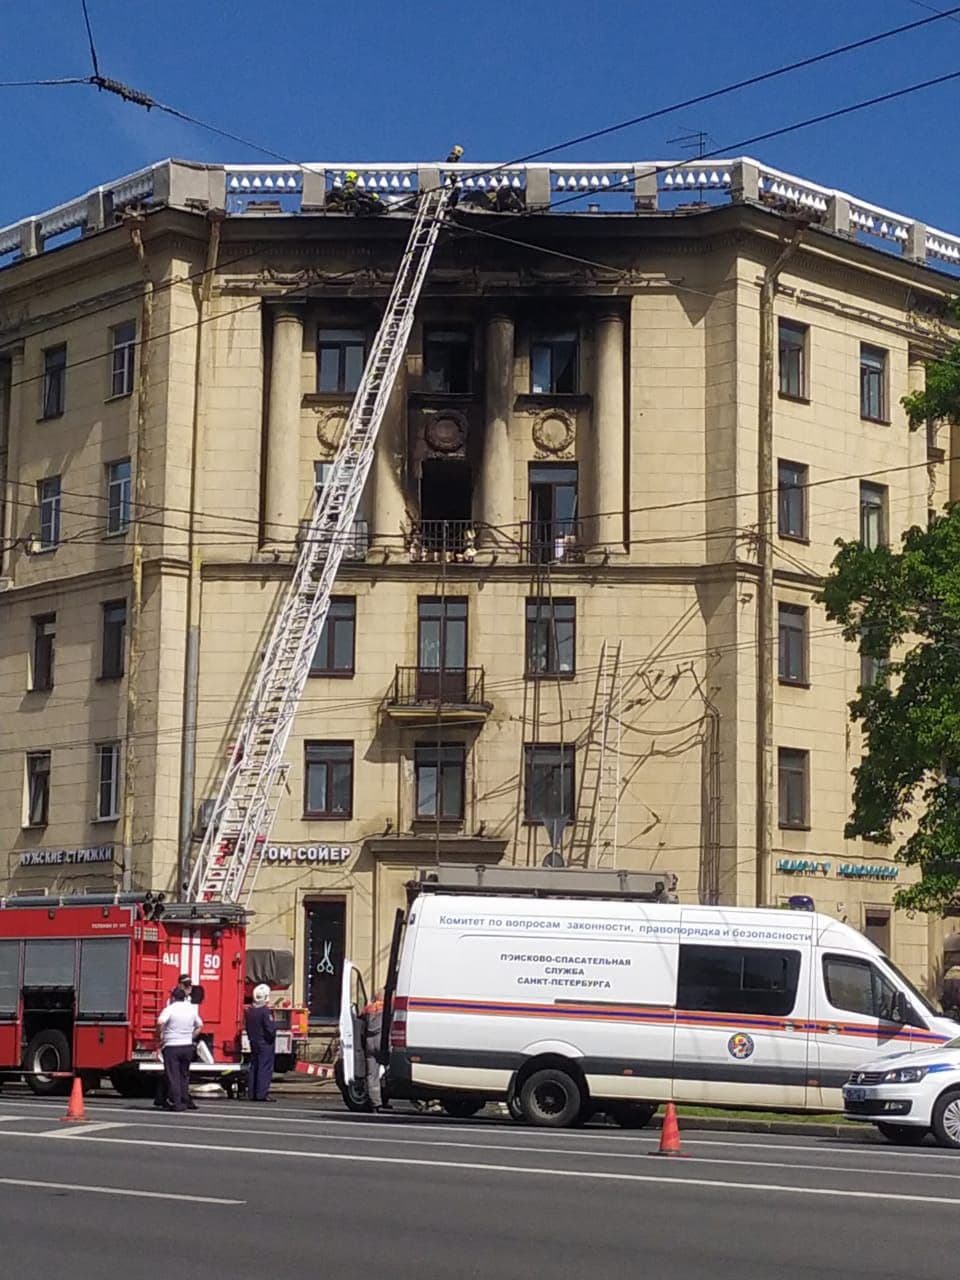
column 353, row 998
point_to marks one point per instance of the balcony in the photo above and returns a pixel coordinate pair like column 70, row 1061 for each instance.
column 442, row 542
column 426, row 695
column 552, row 542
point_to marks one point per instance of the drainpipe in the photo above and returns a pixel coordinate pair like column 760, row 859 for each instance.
column 766, row 639
column 135, row 624
column 191, row 675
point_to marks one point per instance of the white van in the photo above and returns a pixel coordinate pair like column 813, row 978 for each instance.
column 606, row 996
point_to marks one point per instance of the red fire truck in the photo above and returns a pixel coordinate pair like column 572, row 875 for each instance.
column 83, row 978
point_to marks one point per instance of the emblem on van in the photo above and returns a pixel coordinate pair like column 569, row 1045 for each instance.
column 740, row 1045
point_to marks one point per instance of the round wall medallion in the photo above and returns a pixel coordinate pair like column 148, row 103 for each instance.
column 330, row 424
column 553, row 431
column 446, row 433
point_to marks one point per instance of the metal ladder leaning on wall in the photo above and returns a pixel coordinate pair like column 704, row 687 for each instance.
column 249, row 795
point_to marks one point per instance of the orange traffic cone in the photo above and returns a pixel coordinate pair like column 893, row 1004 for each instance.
column 669, row 1134
column 75, row 1110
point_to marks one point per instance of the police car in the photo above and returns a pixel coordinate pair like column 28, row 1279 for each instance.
column 909, row 1095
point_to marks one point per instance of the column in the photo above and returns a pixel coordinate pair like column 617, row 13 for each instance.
column 606, row 501
column 496, row 467
column 388, row 508
column 282, row 511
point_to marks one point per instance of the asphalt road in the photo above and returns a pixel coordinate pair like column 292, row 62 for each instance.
column 302, row 1188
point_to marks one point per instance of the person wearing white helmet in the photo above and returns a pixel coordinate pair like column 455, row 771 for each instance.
column 261, row 1028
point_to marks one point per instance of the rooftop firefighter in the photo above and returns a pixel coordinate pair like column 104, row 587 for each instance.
column 350, row 197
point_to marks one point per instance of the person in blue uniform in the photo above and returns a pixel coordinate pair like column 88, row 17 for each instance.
column 261, row 1028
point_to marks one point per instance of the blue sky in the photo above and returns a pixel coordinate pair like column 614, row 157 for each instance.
column 376, row 81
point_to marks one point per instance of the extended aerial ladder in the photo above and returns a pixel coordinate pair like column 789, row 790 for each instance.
column 249, row 795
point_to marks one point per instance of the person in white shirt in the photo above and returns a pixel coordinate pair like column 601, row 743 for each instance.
column 178, row 1026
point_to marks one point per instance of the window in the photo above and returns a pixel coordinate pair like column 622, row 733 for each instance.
column 756, row 980
column 108, row 780
column 123, row 347
column 793, row 789
column 118, row 496
column 554, row 358
column 9, row 978
column 49, row 963
column 442, row 649
column 326, row 929
column 551, row 637
column 873, row 515
column 440, row 771
column 328, row 780
column 873, row 383
column 44, row 635
column 38, row 788
column 792, row 500
column 553, row 511
column 104, row 970
column 357, row 540
column 48, row 500
column 341, row 354
column 333, row 655
column 857, row 986
column 793, row 644
column 876, row 926
column 872, row 671
column 447, row 361
column 114, row 639
column 793, row 360
column 548, row 782
column 54, row 381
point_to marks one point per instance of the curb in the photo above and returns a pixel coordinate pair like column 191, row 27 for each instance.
column 810, row 1129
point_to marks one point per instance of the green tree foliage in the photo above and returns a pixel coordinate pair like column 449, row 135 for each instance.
column 908, row 601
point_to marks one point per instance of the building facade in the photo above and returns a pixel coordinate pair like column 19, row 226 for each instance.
column 577, row 614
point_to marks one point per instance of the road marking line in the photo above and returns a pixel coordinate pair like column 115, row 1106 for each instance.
column 81, row 1129
column 116, row 1191
column 590, row 1152
column 476, row 1167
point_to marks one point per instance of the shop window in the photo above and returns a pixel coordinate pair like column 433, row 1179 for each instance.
column 325, row 922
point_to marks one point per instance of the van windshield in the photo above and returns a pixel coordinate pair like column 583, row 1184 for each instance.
column 920, row 998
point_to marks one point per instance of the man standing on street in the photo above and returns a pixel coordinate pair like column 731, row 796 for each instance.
column 261, row 1028
column 178, row 1026
column 372, row 1028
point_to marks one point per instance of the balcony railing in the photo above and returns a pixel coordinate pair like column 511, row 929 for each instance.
column 552, row 542
column 419, row 693
column 437, row 541
column 357, row 542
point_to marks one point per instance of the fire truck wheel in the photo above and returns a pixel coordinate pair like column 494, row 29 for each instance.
column 47, row 1053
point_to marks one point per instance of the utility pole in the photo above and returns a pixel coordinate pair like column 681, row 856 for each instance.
column 135, row 620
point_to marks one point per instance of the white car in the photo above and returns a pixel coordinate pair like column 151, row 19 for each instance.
column 909, row 1095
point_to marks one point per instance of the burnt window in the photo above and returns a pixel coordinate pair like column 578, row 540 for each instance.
column 554, row 361
column 447, row 361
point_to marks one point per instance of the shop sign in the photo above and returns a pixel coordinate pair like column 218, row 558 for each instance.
column 867, row 871
column 66, row 857
column 803, row 867
column 331, row 855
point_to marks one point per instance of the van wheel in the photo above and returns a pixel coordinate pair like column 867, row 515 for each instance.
column 462, row 1105
column 946, row 1120
column 354, row 1094
column 48, row 1054
column 634, row 1115
column 903, row 1135
column 515, row 1109
column 550, row 1098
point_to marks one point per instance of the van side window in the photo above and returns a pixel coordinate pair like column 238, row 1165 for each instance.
column 857, row 986
column 738, row 979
